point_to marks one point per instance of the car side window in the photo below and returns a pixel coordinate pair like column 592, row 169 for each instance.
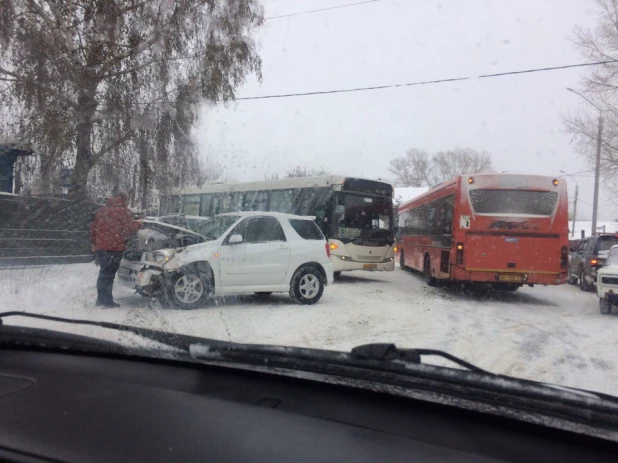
column 590, row 245
column 582, row 245
column 264, row 230
column 240, row 229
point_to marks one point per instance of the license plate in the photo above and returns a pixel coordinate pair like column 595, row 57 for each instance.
column 511, row 277
column 370, row 266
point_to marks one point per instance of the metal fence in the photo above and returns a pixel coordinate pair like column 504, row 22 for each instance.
column 35, row 231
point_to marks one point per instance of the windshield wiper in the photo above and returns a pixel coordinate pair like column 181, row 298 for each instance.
column 178, row 341
column 378, row 357
column 391, row 353
column 368, row 355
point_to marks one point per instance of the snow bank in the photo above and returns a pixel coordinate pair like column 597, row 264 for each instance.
column 586, row 226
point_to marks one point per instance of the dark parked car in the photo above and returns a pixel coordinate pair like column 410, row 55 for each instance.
column 587, row 257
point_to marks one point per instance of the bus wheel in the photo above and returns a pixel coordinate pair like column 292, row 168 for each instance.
column 402, row 262
column 509, row 287
column 431, row 281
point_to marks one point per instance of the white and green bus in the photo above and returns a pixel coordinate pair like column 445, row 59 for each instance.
column 356, row 215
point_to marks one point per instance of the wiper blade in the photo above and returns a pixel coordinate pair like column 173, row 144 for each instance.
column 390, row 353
column 179, row 341
column 370, row 356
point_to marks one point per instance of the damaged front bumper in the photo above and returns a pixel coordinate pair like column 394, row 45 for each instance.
column 150, row 282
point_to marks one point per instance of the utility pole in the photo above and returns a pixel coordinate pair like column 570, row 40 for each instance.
column 574, row 210
column 597, row 166
column 574, row 202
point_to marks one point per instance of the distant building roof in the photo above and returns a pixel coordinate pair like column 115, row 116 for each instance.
column 15, row 148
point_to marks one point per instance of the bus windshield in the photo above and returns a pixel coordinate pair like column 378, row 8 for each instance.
column 523, row 202
column 359, row 215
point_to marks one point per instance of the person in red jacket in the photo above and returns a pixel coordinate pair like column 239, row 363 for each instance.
column 112, row 225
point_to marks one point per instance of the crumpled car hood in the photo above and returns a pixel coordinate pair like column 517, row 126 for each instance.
column 158, row 235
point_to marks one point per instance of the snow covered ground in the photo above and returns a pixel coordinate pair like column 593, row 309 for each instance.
column 552, row 334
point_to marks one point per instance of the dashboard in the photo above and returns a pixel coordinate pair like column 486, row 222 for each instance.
column 75, row 407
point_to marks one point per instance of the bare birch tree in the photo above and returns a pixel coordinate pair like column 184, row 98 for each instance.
column 111, row 88
column 418, row 168
column 600, row 85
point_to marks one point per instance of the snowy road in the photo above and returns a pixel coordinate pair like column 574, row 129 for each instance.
column 553, row 334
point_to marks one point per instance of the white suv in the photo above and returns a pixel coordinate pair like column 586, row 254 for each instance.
column 607, row 282
column 244, row 252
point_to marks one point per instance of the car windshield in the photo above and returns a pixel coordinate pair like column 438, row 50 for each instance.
column 354, row 172
column 212, row 228
column 605, row 243
column 612, row 259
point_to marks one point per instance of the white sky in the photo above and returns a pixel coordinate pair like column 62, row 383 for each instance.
column 515, row 118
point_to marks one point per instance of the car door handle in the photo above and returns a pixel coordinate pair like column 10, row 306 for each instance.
column 283, row 246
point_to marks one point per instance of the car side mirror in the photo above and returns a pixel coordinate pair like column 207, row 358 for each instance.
column 572, row 249
column 235, row 239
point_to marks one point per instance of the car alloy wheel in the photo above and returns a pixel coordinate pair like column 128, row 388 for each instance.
column 309, row 286
column 188, row 289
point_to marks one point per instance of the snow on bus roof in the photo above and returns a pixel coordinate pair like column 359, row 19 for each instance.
column 278, row 184
column 268, row 184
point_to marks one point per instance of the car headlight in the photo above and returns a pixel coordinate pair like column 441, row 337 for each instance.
column 161, row 256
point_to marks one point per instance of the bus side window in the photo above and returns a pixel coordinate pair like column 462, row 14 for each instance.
column 282, row 201
column 424, row 226
column 191, row 205
column 206, row 203
column 414, row 227
column 255, row 201
column 449, row 205
column 438, row 220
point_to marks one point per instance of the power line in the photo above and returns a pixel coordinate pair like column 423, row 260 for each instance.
column 321, row 10
column 427, row 82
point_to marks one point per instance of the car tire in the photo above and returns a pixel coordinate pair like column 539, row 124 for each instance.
column 605, row 306
column 307, row 285
column 571, row 280
column 582, row 282
column 337, row 275
column 188, row 289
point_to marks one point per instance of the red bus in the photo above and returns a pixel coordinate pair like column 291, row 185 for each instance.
column 499, row 229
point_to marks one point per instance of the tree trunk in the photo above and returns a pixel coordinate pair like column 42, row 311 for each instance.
column 83, row 158
column 144, row 169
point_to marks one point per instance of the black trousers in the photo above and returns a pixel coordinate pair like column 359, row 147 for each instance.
column 109, row 262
